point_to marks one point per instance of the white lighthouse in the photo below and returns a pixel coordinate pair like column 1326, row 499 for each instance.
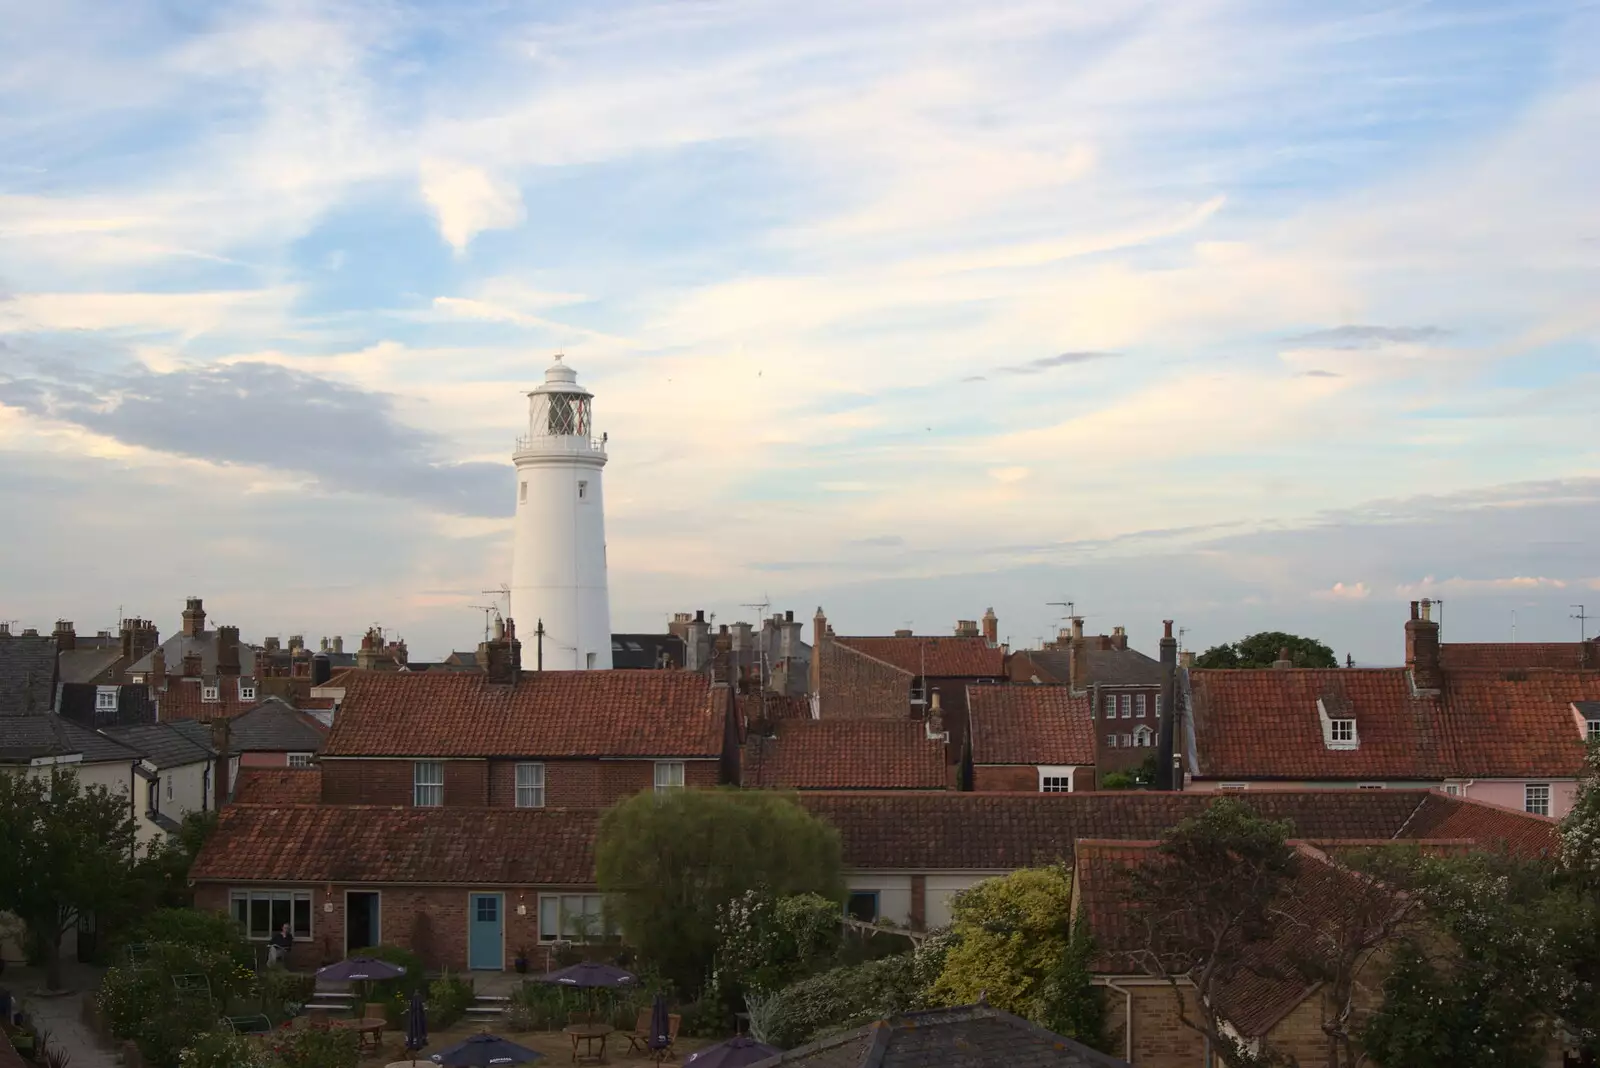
column 558, row 560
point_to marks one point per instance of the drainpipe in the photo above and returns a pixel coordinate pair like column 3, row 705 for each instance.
column 1127, row 1018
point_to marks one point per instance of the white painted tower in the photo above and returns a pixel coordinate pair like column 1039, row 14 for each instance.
column 558, row 560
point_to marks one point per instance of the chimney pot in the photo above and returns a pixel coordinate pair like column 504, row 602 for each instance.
column 1166, row 628
column 788, row 615
column 902, row 633
column 1077, row 627
column 991, row 627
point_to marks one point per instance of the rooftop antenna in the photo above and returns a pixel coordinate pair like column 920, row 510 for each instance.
column 486, row 609
column 761, row 608
column 1181, row 632
column 1583, row 623
column 503, row 593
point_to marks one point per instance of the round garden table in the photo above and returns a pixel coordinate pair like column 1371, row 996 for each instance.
column 369, row 1031
column 588, row 1034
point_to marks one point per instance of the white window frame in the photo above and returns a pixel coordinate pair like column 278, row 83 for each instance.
column 1127, row 741
column 1143, row 738
column 210, row 693
column 1141, row 706
column 669, row 775
column 1341, row 731
column 236, row 898
column 529, row 793
column 423, row 779
column 105, row 699
column 1593, row 732
column 1056, row 778
column 1159, row 703
column 247, row 691
column 1233, row 787
column 1127, row 706
column 298, row 760
column 1528, row 796
column 576, row 932
column 1111, row 741
column 1453, row 789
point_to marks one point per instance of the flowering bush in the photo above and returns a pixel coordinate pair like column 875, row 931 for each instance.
column 224, row 1049
column 1580, row 830
column 317, row 1045
column 766, row 942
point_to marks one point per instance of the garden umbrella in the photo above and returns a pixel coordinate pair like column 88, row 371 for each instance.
column 589, row 975
column 416, row 1024
column 734, row 1053
column 481, row 1051
column 359, row 968
column 660, row 1025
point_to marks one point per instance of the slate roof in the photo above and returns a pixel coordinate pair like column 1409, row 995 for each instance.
column 1029, row 725
column 22, row 738
column 935, row 657
column 27, row 674
column 84, row 664
column 1263, row 724
column 845, row 754
column 277, row 786
column 184, row 698
column 550, row 714
column 166, row 745
column 644, row 651
column 204, row 643
column 1108, row 666
column 1504, row 656
column 968, row 1036
column 776, row 707
column 78, row 701
column 273, row 726
column 429, row 846
column 948, row 831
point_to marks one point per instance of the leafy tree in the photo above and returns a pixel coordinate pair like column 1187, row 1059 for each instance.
column 848, row 997
column 670, row 863
column 70, row 850
column 768, row 942
column 1261, row 651
column 1206, row 900
column 1009, row 935
column 1069, row 1002
column 1580, row 828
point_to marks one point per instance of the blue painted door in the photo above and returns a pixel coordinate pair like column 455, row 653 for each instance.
column 485, row 923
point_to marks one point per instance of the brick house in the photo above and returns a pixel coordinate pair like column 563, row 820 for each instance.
column 1278, row 1001
column 513, row 739
column 895, row 677
column 1512, row 737
column 463, row 888
column 274, row 734
column 1031, row 739
column 907, row 854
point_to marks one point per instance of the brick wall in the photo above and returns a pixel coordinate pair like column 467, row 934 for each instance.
column 855, row 686
column 1023, row 778
column 568, row 783
column 429, row 921
column 1159, row 1039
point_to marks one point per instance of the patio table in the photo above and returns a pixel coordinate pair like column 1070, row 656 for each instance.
column 589, row 1034
column 369, row 1031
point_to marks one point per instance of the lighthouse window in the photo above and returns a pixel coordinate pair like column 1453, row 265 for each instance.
column 583, row 491
column 522, row 493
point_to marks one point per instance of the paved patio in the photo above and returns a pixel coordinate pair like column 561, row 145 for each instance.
column 63, row 1016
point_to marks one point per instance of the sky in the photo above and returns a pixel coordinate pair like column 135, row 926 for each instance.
column 1251, row 316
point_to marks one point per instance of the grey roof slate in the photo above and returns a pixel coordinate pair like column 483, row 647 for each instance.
column 166, row 745
column 275, row 727
column 1109, row 667
column 204, row 643
column 22, row 738
column 84, row 665
column 27, row 674
column 969, row 1036
column 78, row 701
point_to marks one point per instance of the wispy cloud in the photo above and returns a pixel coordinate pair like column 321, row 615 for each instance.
column 1366, row 337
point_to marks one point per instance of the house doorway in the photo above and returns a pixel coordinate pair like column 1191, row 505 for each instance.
column 362, row 926
column 485, row 932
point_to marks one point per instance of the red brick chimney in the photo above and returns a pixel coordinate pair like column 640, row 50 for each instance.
column 192, row 665
column 1284, row 662
column 219, row 742
column 991, row 628
column 819, row 638
column 1078, row 656
column 228, row 651
column 1422, row 647
column 158, row 669
column 66, row 638
column 501, row 656
column 1119, row 638
column 194, row 618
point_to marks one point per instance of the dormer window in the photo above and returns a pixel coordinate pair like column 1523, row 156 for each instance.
column 105, row 699
column 210, row 693
column 1338, row 725
column 1594, row 730
column 247, row 691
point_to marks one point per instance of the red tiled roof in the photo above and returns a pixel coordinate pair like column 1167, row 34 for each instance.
column 550, row 714
column 368, row 844
column 1029, row 725
column 949, row 831
column 1503, row 656
column 1263, row 724
column 182, row 699
column 1277, row 974
column 1489, row 826
column 845, row 754
column 277, row 786
column 969, row 658
column 776, row 707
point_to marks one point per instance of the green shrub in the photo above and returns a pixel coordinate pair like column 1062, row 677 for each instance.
column 126, row 996
column 284, row 992
column 318, row 1045
column 844, row 998
column 167, row 1031
column 224, row 1049
column 449, row 997
column 200, row 928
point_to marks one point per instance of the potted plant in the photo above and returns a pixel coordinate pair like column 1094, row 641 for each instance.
column 520, row 963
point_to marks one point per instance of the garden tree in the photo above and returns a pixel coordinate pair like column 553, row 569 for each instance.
column 1008, row 937
column 1203, row 902
column 1580, row 828
column 670, row 863
column 767, row 942
column 1580, row 865
column 1069, row 1002
column 1502, row 965
column 1261, row 651
column 70, row 852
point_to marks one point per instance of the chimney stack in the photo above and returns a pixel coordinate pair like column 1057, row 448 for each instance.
column 297, row 642
column 271, row 644
column 991, row 628
column 1422, row 647
column 321, row 669
column 191, row 664
column 158, row 669
column 1119, row 638
column 220, row 742
column 819, row 635
column 1283, row 663
column 1186, row 659
column 933, row 726
column 228, row 651
column 966, row 628
column 338, row 645
column 1167, row 773
column 501, row 656
column 66, row 638
column 902, row 633
column 194, row 618
column 1078, row 656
